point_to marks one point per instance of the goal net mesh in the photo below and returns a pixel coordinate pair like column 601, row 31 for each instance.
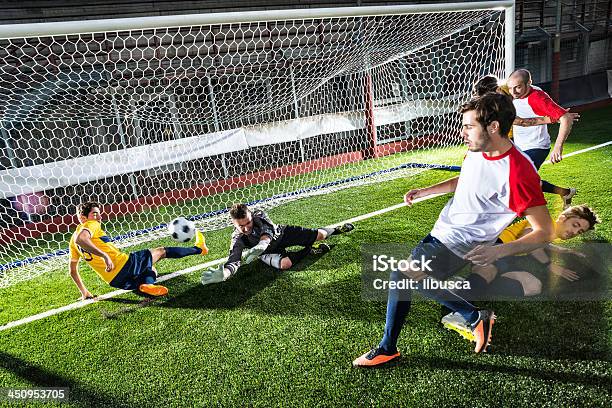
column 185, row 121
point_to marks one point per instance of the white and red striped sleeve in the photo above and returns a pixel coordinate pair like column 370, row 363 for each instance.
column 543, row 105
column 525, row 185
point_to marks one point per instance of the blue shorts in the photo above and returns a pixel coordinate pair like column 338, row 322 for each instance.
column 537, row 156
column 134, row 273
column 444, row 263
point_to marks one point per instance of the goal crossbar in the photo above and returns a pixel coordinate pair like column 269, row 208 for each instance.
column 185, row 20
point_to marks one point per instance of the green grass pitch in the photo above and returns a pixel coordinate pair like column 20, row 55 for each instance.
column 266, row 338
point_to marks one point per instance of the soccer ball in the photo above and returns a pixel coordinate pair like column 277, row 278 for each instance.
column 181, row 229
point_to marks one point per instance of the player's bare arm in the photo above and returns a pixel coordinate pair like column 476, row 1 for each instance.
column 540, row 255
column 562, row 250
column 542, row 120
column 542, row 232
column 76, row 277
column 565, row 127
column 84, row 241
column 447, row 186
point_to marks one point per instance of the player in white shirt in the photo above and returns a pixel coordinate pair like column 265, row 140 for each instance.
column 531, row 102
column 497, row 183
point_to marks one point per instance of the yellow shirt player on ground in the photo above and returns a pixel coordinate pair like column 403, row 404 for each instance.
column 134, row 271
column 503, row 278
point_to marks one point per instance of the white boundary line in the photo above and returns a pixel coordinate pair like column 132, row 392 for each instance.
column 599, row 146
column 83, row 303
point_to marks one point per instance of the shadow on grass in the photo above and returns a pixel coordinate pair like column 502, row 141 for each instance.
column 555, row 330
column 248, row 282
column 442, row 363
column 134, row 306
column 235, row 292
column 567, row 322
column 289, row 297
column 41, row 377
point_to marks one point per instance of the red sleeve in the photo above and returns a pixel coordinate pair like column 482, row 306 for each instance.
column 543, row 105
column 525, row 186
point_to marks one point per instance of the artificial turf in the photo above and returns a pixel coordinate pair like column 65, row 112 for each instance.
column 266, row 338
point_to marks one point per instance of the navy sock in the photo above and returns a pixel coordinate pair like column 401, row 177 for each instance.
column 398, row 306
column 444, row 311
column 548, row 188
column 149, row 280
column 451, row 300
column 181, row 252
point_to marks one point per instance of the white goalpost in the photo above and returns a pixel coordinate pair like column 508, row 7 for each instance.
column 171, row 116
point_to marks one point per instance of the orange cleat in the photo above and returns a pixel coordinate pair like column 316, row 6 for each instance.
column 375, row 358
column 482, row 330
column 153, row 290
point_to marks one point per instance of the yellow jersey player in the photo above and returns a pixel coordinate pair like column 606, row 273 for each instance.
column 134, row 271
column 506, row 277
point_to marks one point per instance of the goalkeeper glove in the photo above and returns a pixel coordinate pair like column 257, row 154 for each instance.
column 214, row 275
column 252, row 254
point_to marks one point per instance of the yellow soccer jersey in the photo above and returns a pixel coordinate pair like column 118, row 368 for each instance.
column 515, row 231
column 101, row 241
column 504, row 88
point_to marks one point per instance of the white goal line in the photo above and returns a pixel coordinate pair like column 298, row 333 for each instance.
column 83, row 303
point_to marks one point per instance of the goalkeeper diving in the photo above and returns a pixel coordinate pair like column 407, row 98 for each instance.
column 255, row 236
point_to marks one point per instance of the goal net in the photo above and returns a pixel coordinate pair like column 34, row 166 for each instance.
column 184, row 115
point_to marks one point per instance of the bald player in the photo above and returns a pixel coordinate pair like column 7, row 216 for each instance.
column 531, row 102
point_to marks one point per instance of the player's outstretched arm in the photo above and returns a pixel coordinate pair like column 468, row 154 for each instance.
column 76, row 277
column 542, row 232
column 541, row 256
column 84, row 241
column 215, row 275
column 566, row 121
column 540, row 120
column 562, row 250
column 226, row 270
column 565, row 273
column 447, row 186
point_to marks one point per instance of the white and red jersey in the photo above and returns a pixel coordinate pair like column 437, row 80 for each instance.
column 536, row 103
column 491, row 192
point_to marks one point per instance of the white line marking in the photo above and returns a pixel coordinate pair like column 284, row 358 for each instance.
column 384, row 210
column 83, row 303
column 599, row 146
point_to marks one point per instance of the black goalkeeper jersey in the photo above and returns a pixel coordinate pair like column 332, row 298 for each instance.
column 262, row 225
